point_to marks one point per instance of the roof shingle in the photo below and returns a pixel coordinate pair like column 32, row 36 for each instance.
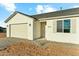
column 66, row 12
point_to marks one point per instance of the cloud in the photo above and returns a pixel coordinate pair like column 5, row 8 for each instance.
column 9, row 6
column 44, row 9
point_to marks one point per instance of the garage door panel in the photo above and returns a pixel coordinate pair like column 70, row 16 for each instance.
column 19, row 30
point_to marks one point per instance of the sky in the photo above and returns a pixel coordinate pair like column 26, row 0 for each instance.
column 6, row 9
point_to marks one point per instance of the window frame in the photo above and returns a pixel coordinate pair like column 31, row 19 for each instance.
column 62, row 31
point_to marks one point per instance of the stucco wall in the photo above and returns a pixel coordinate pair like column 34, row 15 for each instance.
column 7, row 32
column 72, row 37
column 17, row 19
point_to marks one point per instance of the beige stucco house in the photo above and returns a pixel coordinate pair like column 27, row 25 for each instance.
column 60, row 26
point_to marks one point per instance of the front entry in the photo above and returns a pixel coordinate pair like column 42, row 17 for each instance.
column 43, row 24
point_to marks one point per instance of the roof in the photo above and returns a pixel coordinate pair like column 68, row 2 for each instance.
column 15, row 14
column 66, row 12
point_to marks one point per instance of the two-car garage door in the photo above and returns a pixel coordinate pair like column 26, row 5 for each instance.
column 19, row 30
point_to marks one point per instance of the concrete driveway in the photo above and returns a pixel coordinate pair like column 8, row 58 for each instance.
column 5, row 42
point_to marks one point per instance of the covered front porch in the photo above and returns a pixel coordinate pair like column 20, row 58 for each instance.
column 39, row 30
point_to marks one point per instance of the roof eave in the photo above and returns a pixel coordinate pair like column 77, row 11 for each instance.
column 14, row 13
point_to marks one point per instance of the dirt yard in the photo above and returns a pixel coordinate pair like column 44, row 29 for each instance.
column 2, row 35
column 24, row 47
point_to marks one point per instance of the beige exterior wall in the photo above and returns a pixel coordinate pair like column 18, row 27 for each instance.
column 72, row 37
column 17, row 19
column 8, row 29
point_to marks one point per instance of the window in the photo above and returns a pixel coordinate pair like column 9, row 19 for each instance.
column 59, row 26
column 67, row 26
column 63, row 26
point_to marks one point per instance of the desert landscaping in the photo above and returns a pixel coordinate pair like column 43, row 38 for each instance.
column 25, row 47
column 2, row 35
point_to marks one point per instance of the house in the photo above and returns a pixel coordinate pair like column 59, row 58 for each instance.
column 59, row 26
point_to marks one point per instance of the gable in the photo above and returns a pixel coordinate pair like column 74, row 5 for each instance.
column 20, row 17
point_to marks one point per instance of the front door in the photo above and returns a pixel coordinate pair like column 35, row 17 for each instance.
column 43, row 24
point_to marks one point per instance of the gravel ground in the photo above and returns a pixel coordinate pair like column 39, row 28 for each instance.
column 43, row 43
column 5, row 42
column 2, row 35
column 24, row 47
